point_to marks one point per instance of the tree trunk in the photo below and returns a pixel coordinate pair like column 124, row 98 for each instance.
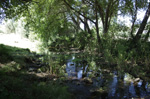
column 76, row 22
column 147, row 35
column 134, row 17
column 106, row 24
column 132, row 28
column 97, row 32
column 142, row 25
column 96, row 24
column 105, row 28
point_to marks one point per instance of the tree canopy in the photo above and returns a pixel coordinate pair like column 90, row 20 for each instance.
column 89, row 36
column 52, row 19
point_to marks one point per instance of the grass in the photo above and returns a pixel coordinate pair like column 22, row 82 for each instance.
column 19, row 86
column 17, row 83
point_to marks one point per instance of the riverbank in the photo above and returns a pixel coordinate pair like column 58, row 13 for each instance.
column 22, row 76
column 20, row 83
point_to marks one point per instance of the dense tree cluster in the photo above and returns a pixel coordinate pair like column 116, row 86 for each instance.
column 88, row 19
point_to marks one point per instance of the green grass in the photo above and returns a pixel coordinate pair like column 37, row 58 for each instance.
column 15, row 86
column 17, row 83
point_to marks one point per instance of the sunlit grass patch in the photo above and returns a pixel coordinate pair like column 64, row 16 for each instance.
column 9, row 67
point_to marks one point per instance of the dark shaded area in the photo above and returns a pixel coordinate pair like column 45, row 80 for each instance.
column 20, row 83
column 104, row 83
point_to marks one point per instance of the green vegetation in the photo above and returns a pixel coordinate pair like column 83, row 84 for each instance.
column 4, row 53
column 20, row 85
column 89, row 30
column 17, row 83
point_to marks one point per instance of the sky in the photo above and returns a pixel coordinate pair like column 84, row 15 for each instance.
column 127, row 19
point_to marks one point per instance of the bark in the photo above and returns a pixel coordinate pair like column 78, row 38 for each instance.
column 147, row 35
column 75, row 22
column 101, row 13
column 85, row 20
column 134, row 17
column 78, row 11
column 107, row 15
column 97, row 32
column 105, row 25
column 86, row 26
column 96, row 24
column 142, row 25
column 132, row 27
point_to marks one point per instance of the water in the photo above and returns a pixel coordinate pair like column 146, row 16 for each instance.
column 116, row 86
column 75, row 70
column 113, row 86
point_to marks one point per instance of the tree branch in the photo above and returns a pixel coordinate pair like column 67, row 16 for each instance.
column 147, row 35
column 143, row 24
column 78, row 11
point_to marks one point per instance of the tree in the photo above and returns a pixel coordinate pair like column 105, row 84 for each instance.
column 131, row 8
column 53, row 19
column 49, row 20
column 94, row 10
column 107, row 10
column 142, row 25
column 147, row 35
column 13, row 8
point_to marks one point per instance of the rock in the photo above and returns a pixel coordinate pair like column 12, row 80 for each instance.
column 32, row 69
column 72, row 64
column 99, row 95
column 137, row 80
column 87, row 81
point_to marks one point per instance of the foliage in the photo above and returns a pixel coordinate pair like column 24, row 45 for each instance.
column 19, row 85
column 55, row 64
column 10, row 26
column 13, row 8
column 50, row 21
column 5, row 53
column 16, row 26
column 86, row 25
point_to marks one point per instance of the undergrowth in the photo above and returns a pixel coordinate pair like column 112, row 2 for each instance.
column 17, row 83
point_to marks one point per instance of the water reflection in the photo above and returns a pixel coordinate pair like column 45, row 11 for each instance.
column 75, row 70
column 132, row 90
column 80, row 72
column 113, row 86
column 147, row 86
column 123, row 87
column 70, row 68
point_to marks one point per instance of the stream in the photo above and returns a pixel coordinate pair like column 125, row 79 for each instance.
column 104, row 84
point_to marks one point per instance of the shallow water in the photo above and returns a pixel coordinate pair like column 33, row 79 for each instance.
column 117, row 86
